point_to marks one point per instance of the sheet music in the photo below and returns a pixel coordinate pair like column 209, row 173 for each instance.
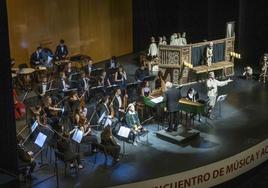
column 40, row 139
column 124, row 131
column 35, row 124
column 158, row 99
column 77, row 136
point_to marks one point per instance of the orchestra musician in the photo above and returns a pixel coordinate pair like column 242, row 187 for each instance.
column 61, row 51
column 153, row 50
column 74, row 100
column 264, row 66
column 112, row 64
column 111, row 146
column 52, row 113
column 172, row 96
column 84, row 126
column 84, row 85
column 36, row 57
column 63, row 84
column 88, row 67
column 69, row 70
column 118, row 104
column 145, row 90
column 121, row 78
column 64, row 146
column 192, row 95
column 104, row 80
column 133, row 121
column 212, row 91
column 141, row 73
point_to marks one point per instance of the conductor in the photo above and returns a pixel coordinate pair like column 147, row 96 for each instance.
column 172, row 97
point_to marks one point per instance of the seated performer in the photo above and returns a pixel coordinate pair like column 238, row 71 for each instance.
column 84, row 85
column 133, row 121
column 61, row 51
column 36, row 57
column 212, row 91
column 141, row 73
column 111, row 64
column 69, row 70
column 153, row 50
column 25, row 160
column 52, row 113
column 74, row 100
column 248, row 72
column 172, row 96
column 160, row 82
column 192, row 95
column 121, row 78
column 145, row 90
column 64, row 146
column 44, row 86
column 88, row 67
column 88, row 137
column 63, row 84
column 111, row 146
column 104, row 80
column 209, row 54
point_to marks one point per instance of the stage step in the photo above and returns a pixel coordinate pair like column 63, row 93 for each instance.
column 179, row 137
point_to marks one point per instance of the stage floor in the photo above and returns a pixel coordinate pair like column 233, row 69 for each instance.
column 243, row 125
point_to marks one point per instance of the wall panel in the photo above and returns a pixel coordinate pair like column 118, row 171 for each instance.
column 92, row 27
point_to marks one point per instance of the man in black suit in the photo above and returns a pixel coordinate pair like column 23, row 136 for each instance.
column 36, row 57
column 61, row 51
column 172, row 97
column 112, row 64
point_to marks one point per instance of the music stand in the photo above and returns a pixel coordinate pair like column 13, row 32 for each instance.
column 124, row 133
column 96, row 72
column 149, row 78
column 220, row 99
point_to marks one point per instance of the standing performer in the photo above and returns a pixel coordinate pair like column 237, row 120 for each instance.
column 153, row 50
column 209, row 54
column 61, row 51
column 118, row 104
column 212, row 91
column 36, row 57
column 172, row 96
column 264, row 66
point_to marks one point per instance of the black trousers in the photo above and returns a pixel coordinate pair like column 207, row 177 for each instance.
column 173, row 120
column 114, row 151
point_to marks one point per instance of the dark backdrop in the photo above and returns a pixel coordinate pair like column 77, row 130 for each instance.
column 203, row 19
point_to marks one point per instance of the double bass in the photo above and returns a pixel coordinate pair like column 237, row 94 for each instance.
column 19, row 107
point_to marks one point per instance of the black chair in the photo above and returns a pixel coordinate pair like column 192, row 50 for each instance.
column 101, row 149
column 60, row 156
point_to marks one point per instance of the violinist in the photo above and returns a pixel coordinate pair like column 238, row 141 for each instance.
column 63, row 84
column 64, row 146
column 105, row 110
column 111, row 146
column 52, row 113
column 74, row 100
column 88, row 137
column 121, row 77
column 84, row 85
column 83, row 109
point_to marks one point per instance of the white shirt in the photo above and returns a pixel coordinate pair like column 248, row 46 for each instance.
column 44, row 88
column 65, row 86
column 153, row 50
column 85, row 83
column 212, row 86
column 119, row 101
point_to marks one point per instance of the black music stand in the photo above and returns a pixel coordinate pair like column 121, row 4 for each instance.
column 149, row 78
column 110, row 89
column 96, row 72
column 123, row 134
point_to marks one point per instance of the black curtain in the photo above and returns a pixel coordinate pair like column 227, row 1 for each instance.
column 218, row 52
column 8, row 146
